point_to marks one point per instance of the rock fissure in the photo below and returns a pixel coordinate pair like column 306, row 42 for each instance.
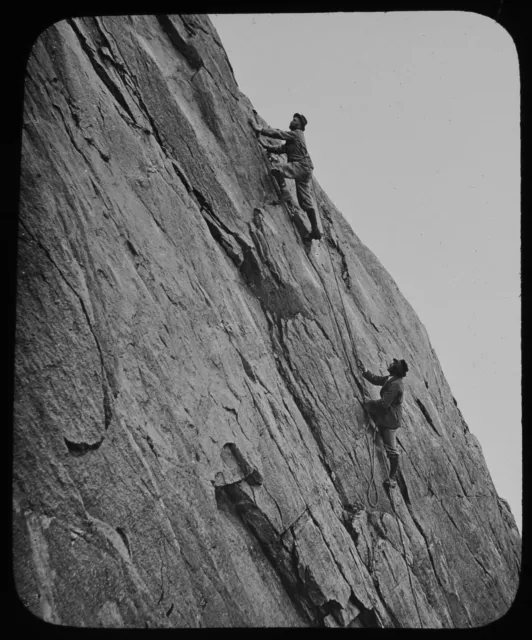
column 237, row 98
column 304, row 409
column 125, row 539
column 181, row 175
column 452, row 520
column 427, row 546
column 69, row 133
column 314, row 395
column 272, row 498
column 262, row 251
column 154, row 129
column 449, row 461
column 427, row 417
column 100, row 70
column 392, row 617
column 107, row 407
column 188, row 51
column 374, row 326
column 112, row 46
column 297, row 377
column 223, row 239
column 161, row 596
column 329, row 363
column 249, row 369
column 331, row 551
column 306, row 511
column 466, row 466
column 331, row 307
column 270, row 543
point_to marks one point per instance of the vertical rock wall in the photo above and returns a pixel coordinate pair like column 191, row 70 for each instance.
column 190, row 446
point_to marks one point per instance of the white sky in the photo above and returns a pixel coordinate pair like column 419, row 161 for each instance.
column 413, row 128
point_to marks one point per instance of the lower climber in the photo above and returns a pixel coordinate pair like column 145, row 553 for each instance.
column 387, row 412
column 299, row 167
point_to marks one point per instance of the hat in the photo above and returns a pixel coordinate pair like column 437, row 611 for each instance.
column 302, row 119
column 402, row 366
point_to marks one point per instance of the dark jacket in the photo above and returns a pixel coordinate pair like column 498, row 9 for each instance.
column 388, row 411
column 295, row 146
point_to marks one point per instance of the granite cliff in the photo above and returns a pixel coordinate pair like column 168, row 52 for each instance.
column 190, row 447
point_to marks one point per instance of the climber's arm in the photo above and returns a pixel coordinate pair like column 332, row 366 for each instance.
column 277, row 133
column 272, row 148
column 377, row 380
column 273, row 133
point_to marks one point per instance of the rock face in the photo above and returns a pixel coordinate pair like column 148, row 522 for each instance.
column 190, row 447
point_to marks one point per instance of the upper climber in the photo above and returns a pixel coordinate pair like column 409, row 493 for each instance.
column 387, row 412
column 299, row 166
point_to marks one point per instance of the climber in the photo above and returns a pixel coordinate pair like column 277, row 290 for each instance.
column 387, row 412
column 299, row 166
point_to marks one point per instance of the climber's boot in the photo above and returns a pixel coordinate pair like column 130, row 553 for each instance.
column 394, row 466
column 279, row 177
column 315, row 232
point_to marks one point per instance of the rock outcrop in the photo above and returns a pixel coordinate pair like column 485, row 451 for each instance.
column 190, row 447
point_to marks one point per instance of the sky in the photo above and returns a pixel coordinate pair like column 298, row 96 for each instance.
column 414, row 132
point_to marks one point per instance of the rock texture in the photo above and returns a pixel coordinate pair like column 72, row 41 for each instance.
column 189, row 445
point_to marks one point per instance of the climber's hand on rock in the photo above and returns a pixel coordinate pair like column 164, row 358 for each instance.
column 254, row 126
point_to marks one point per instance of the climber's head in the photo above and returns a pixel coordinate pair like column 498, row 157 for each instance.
column 298, row 122
column 398, row 368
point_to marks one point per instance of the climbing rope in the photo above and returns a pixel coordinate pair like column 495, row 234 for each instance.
column 368, row 423
column 372, row 482
column 372, row 485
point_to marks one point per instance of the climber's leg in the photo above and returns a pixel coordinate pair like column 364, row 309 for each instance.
column 306, row 202
column 303, row 178
column 277, row 173
column 394, row 466
column 390, row 442
column 390, row 446
column 314, row 217
column 279, row 177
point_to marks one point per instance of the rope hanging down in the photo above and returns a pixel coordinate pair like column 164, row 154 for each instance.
column 372, row 482
column 368, row 418
column 372, row 485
